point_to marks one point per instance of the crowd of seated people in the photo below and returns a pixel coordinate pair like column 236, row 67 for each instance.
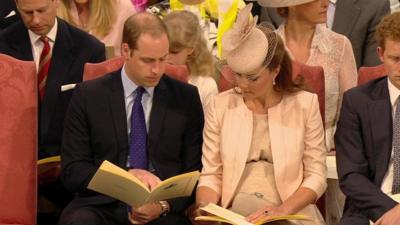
column 261, row 144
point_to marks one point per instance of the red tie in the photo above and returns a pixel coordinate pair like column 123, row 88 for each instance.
column 44, row 64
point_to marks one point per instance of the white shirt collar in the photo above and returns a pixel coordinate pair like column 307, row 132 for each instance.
column 129, row 86
column 51, row 35
column 333, row 1
column 394, row 92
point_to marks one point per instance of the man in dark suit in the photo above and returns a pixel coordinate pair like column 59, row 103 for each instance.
column 355, row 19
column 98, row 127
column 71, row 49
column 366, row 141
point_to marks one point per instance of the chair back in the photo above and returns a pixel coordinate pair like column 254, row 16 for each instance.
column 178, row 72
column 366, row 73
column 314, row 81
column 18, row 138
column 95, row 70
column 226, row 79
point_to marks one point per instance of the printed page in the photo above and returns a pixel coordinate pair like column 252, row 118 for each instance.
column 118, row 183
column 177, row 186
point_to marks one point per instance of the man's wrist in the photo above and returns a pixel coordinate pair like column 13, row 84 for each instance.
column 165, row 208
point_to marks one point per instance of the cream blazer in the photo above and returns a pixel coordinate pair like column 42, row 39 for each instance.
column 297, row 144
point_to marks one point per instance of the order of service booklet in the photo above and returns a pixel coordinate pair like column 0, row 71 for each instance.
column 227, row 216
column 46, row 164
column 118, row 183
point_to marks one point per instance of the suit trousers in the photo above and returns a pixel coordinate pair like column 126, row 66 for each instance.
column 111, row 214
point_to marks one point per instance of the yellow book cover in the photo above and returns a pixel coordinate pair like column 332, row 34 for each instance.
column 227, row 216
column 47, row 164
column 118, row 183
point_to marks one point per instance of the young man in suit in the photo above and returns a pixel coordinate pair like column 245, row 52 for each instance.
column 355, row 19
column 108, row 118
column 368, row 138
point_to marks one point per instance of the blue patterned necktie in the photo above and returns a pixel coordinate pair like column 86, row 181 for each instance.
column 138, row 135
column 396, row 150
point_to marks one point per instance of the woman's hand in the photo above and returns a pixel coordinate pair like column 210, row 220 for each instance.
column 195, row 211
column 267, row 212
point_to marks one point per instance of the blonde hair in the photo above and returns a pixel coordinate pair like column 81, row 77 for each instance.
column 103, row 16
column 185, row 32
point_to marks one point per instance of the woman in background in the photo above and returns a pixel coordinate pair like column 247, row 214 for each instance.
column 189, row 47
column 104, row 19
column 310, row 42
column 263, row 148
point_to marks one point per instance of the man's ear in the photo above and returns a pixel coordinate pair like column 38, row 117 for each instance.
column 380, row 51
column 125, row 50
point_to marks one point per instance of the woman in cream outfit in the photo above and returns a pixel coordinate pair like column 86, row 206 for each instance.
column 189, row 47
column 263, row 150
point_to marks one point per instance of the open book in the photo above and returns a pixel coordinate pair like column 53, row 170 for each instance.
column 46, row 164
column 227, row 216
column 118, row 183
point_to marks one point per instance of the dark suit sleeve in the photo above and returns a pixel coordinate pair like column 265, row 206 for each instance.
column 352, row 164
column 370, row 56
column 99, row 54
column 76, row 158
column 192, row 144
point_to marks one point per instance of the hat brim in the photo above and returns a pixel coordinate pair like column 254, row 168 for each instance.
column 282, row 3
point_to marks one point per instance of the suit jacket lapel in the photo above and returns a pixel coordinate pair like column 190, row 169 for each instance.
column 161, row 100
column 346, row 15
column 380, row 112
column 243, row 131
column 63, row 55
column 277, row 138
column 235, row 131
column 116, row 102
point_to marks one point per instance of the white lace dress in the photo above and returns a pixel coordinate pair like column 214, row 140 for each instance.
column 333, row 52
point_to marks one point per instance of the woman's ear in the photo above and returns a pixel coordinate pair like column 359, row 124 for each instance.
column 276, row 72
column 189, row 51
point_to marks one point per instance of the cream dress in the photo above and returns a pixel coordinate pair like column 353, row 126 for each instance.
column 257, row 187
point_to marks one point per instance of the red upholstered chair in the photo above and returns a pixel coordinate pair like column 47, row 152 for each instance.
column 366, row 74
column 314, row 81
column 18, row 138
column 226, row 79
column 95, row 70
column 178, row 72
